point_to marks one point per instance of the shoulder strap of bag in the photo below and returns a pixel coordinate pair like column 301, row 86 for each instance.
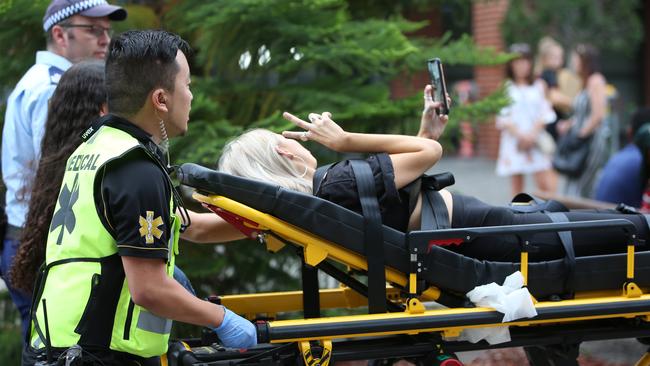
column 434, row 211
column 434, row 214
column 319, row 175
column 373, row 235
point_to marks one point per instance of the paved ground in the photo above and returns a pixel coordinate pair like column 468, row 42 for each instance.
column 476, row 177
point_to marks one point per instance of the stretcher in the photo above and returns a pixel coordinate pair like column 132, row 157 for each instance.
column 586, row 298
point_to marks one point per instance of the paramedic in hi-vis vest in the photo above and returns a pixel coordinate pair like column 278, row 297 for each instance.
column 106, row 293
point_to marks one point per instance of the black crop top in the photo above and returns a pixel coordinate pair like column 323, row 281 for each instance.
column 339, row 186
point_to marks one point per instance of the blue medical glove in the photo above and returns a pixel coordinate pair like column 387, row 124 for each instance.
column 235, row 331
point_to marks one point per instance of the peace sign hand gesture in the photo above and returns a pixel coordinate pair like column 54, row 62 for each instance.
column 322, row 129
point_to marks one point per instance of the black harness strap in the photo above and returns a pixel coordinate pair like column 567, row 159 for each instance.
column 373, row 235
column 566, row 238
column 434, row 211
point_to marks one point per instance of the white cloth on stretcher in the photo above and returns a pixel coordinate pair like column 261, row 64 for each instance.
column 511, row 299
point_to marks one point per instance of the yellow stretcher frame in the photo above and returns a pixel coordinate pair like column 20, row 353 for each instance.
column 317, row 250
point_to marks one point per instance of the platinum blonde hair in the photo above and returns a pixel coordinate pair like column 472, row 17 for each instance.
column 545, row 46
column 253, row 155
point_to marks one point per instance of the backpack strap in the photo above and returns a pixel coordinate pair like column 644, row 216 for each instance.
column 319, row 175
column 434, row 214
column 373, row 235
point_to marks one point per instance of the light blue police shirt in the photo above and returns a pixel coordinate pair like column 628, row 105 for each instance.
column 24, row 128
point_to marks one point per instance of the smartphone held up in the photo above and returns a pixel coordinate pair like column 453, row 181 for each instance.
column 437, row 77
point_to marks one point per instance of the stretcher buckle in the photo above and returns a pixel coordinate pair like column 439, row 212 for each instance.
column 631, row 290
column 308, row 355
column 414, row 306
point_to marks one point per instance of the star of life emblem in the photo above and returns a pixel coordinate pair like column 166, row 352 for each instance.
column 149, row 227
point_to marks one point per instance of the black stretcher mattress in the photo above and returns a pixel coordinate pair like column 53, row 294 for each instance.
column 443, row 268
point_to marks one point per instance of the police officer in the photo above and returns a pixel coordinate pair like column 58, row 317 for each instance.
column 107, row 286
column 76, row 30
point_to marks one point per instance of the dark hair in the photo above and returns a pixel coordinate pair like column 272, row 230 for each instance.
column 642, row 141
column 640, row 117
column 589, row 61
column 640, row 131
column 522, row 50
column 138, row 62
column 75, row 104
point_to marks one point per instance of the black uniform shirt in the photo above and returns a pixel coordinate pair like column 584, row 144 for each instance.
column 134, row 196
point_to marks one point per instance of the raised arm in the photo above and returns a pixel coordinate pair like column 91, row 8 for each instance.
column 432, row 125
column 411, row 155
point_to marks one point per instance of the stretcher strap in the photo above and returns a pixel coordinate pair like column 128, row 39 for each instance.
column 566, row 238
column 430, row 183
column 434, row 211
column 373, row 235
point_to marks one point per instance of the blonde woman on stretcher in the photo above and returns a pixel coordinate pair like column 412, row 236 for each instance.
column 396, row 161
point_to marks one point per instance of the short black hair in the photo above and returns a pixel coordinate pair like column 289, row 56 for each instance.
column 138, row 62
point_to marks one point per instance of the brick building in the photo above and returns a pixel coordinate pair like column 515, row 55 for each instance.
column 486, row 18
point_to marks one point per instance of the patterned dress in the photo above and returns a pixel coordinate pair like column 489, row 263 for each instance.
column 583, row 185
column 528, row 107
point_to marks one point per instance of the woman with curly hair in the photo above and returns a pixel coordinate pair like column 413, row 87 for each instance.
column 79, row 99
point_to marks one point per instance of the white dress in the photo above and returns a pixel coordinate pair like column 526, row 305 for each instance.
column 528, row 106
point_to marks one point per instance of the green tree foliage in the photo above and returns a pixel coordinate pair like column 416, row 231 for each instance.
column 21, row 34
column 257, row 58
column 613, row 25
column 10, row 335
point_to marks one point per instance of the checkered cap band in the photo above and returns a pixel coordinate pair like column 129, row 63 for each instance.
column 69, row 11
